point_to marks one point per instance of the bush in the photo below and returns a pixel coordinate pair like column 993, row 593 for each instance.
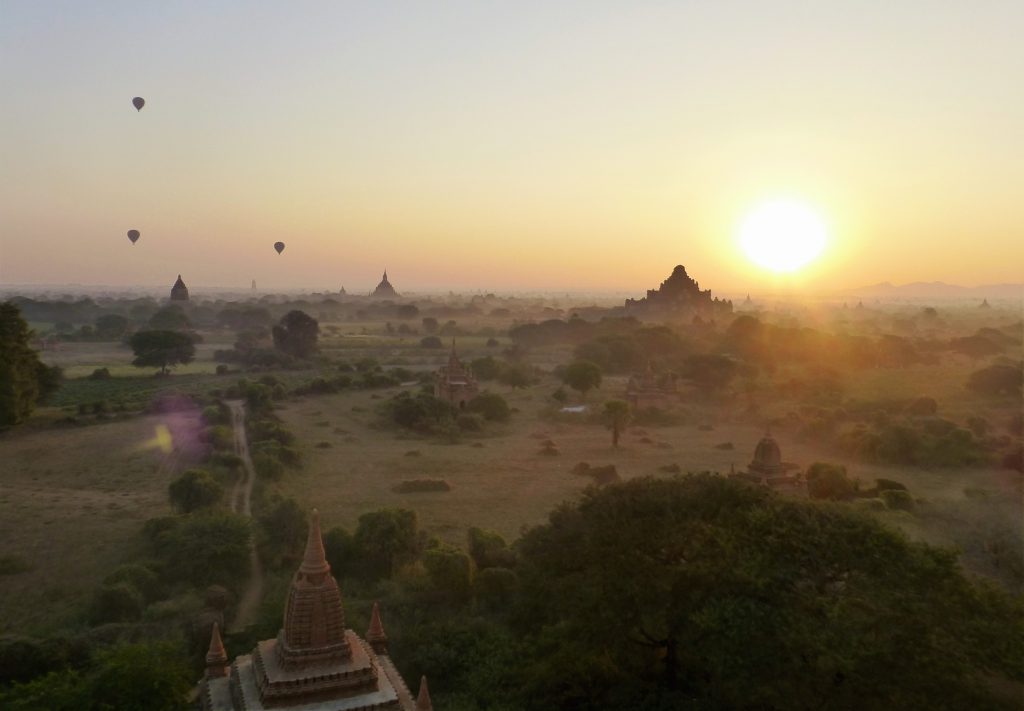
column 492, row 406
column 897, row 499
column 184, row 545
column 489, row 550
column 100, row 374
column 830, row 481
column 410, row 486
column 195, row 489
column 470, row 422
column 422, row 412
column 997, row 380
column 431, row 342
column 140, row 578
column 267, row 466
column 449, row 571
column 495, row 588
column 119, row 602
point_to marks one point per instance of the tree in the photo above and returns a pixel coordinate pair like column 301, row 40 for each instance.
column 617, row 416
column 195, row 489
column 202, row 548
column 708, row 589
column 170, row 318
column 516, row 375
column 111, row 327
column 161, row 348
column 430, row 324
column 997, row 380
column 486, row 368
column 296, row 334
column 385, row 537
column 491, row 405
column 24, row 379
column 582, row 375
column 830, row 481
column 431, row 342
column 710, row 372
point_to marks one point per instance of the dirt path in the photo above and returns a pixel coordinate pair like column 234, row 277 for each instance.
column 241, row 503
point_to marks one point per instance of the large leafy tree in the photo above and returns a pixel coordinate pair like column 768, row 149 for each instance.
column 701, row 592
column 24, row 379
column 582, row 375
column 385, row 538
column 162, row 348
column 297, row 334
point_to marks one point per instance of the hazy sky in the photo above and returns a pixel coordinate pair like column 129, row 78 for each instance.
column 557, row 145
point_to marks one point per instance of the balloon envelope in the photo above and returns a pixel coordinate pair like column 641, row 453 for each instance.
column 279, row 246
column 133, row 235
column 138, row 102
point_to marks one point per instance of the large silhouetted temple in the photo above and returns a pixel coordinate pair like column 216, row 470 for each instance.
column 315, row 663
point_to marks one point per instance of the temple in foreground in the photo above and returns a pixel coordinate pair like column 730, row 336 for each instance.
column 315, row 663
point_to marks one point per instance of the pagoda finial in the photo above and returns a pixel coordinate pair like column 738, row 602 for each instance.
column 216, row 657
column 423, row 698
column 314, row 560
column 375, row 634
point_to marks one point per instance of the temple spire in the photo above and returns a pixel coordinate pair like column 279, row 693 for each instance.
column 216, row 657
column 423, row 698
column 375, row 634
column 314, row 560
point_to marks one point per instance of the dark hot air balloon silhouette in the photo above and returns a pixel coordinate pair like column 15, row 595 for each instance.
column 138, row 102
column 133, row 235
column 279, row 246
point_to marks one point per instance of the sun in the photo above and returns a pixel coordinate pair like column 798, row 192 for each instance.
column 783, row 235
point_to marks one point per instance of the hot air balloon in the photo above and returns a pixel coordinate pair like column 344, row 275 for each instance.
column 138, row 102
column 133, row 235
column 279, row 246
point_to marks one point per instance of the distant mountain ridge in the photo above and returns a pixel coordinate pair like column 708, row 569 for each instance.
column 940, row 290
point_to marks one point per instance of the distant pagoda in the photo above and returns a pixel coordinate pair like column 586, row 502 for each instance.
column 179, row 292
column 384, row 289
column 679, row 295
column 314, row 663
column 454, row 382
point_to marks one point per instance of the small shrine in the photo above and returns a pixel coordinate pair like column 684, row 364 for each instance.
column 454, row 382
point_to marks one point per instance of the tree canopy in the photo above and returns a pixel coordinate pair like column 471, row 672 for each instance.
column 162, row 348
column 24, row 379
column 296, row 334
column 704, row 592
column 582, row 375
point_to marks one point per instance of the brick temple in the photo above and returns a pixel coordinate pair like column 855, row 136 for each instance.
column 315, row 663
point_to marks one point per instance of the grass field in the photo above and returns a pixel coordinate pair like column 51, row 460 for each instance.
column 72, row 503
column 502, row 482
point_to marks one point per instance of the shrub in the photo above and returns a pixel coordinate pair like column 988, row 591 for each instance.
column 495, row 588
column 829, row 481
column 13, row 564
column 431, row 342
column 897, row 499
column 119, row 602
column 267, row 466
column 100, row 374
column 138, row 577
column 195, row 489
column 492, row 406
column 409, row 486
column 489, row 550
column 470, row 422
column 997, row 380
column 449, row 571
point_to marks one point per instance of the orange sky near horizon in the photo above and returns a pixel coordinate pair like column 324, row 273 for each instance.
column 577, row 147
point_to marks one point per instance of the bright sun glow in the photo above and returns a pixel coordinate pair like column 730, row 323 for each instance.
column 783, row 235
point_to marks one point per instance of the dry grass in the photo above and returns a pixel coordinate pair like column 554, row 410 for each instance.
column 72, row 502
